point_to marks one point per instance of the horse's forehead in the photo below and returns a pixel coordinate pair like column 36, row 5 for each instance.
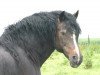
column 68, row 25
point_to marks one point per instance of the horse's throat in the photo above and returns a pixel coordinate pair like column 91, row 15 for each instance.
column 44, row 56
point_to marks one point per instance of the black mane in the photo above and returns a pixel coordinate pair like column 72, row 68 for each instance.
column 39, row 21
column 40, row 24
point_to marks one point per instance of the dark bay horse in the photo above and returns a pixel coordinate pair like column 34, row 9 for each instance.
column 26, row 45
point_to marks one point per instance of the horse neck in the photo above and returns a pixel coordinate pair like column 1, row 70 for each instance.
column 43, row 53
column 38, row 50
column 38, row 53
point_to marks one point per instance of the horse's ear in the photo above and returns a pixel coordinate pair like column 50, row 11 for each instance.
column 62, row 16
column 76, row 14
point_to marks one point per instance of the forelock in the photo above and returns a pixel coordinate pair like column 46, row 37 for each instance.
column 73, row 22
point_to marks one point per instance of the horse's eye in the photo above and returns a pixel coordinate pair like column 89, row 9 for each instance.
column 63, row 32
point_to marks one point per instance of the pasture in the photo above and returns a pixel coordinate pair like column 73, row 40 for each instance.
column 57, row 64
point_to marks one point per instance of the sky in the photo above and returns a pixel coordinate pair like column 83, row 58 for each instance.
column 12, row 11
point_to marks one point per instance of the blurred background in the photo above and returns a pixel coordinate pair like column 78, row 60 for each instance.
column 12, row 11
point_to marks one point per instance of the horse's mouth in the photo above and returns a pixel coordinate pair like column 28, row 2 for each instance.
column 74, row 65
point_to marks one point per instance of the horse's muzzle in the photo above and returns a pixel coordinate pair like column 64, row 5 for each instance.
column 75, row 61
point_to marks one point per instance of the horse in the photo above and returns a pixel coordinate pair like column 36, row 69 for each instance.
column 26, row 45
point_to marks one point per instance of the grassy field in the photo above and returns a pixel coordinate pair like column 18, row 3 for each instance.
column 57, row 64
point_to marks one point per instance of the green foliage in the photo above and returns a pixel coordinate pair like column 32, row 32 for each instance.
column 55, row 64
column 58, row 64
column 89, row 50
column 88, row 57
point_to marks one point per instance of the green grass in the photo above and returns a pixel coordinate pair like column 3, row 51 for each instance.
column 57, row 64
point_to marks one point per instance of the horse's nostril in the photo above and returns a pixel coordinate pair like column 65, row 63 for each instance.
column 74, row 57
